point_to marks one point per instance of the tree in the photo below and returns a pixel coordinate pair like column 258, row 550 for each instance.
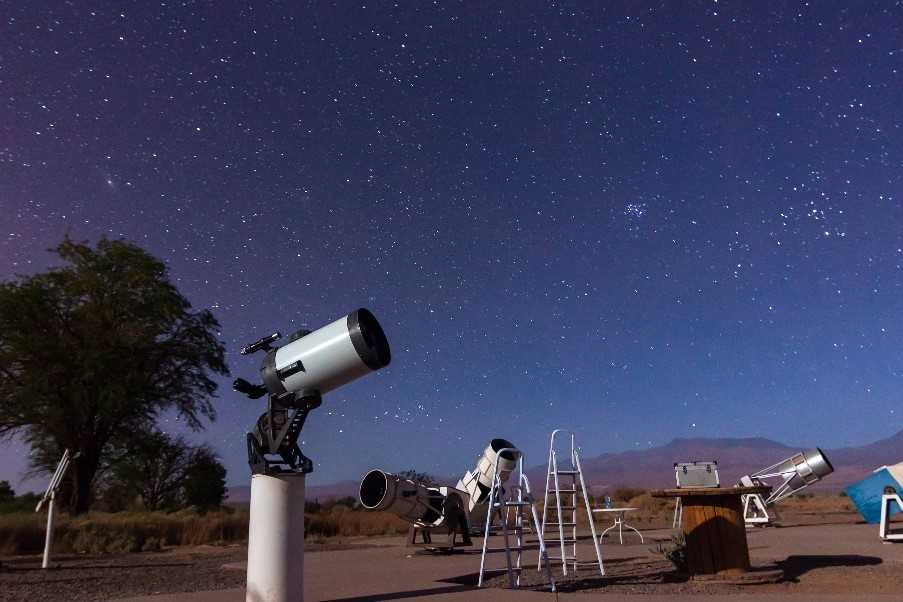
column 205, row 480
column 154, row 469
column 7, row 494
column 93, row 352
column 424, row 478
column 10, row 502
column 165, row 473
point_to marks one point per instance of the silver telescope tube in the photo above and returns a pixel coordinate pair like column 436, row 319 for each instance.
column 411, row 501
column 799, row 471
column 478, row 482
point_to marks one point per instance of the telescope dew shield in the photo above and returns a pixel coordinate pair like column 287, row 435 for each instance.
column 413, row 502
column 328, row 358
column 478, row 483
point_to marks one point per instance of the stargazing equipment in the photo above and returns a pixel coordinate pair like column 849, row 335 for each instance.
column 425, row 507
column 478, row 482
column 798, row 471
column 295, row 376
column 50, row 499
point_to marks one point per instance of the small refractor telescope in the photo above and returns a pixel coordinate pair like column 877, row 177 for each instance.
column 296, row 375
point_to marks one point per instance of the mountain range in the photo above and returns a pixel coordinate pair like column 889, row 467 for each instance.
column 654, row 467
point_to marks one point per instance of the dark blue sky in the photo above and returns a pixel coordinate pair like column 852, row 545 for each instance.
column 637, row 220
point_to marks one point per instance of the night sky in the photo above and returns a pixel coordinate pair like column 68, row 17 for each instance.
column 637, row 220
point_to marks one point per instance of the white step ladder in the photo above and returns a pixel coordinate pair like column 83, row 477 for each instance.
column 565, row 505
column 518, row 498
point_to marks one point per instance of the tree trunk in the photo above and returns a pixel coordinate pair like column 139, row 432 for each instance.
column 83, row 471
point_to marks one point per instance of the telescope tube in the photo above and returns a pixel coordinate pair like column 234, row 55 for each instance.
column 411, row 501
column 318, row 362
column 478, row 483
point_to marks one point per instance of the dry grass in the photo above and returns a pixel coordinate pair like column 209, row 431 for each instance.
column 345, row 522
column 105, row 533
column 102, row 533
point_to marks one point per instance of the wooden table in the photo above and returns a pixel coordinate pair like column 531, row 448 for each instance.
column 714, row 528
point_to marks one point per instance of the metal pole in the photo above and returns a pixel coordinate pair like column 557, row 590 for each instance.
column 276, row 539
column 48, row 538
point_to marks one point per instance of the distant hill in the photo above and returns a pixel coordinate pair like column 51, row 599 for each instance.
column 654, row 467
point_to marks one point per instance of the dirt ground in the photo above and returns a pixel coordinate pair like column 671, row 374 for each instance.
column 83, row 578
column 841, row 559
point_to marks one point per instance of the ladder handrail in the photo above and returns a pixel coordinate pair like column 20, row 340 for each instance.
column 543, row 553
column 545, row 501
column 489, row 512
column 564, row 563
column 589, row 515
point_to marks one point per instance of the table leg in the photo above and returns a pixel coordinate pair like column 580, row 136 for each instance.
column 636, row 531
column 607, row 530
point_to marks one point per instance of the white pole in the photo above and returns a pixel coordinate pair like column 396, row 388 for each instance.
column 48, row 538
column 276, row 539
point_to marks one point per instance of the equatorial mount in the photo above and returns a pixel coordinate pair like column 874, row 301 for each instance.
column 273, row 444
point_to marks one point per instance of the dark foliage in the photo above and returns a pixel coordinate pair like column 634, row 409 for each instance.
column 423, row 478
column 10, row 502
column 205, row 480
column 92, row 352
column 161, row 472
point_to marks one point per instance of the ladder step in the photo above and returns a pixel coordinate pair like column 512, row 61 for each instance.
column 516, row 504
column 566, row 472
column 562, row 524
column 567, row 491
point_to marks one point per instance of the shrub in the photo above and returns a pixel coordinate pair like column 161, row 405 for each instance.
column 626, row 493
column 676, row 552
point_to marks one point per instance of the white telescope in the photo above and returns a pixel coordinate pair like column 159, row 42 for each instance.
column 414, row 502
column 314, row 363
column 478, row 483
column 798, row 471
column 295, row 377
column 426, row 508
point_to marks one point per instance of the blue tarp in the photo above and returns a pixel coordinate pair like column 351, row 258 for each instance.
column 866, row 494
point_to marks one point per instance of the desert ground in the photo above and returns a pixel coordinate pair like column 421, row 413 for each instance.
column 824, row 555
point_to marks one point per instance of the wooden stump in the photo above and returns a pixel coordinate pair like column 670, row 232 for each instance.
column 714, row 528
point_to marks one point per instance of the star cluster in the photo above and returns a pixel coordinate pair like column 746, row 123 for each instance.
column 635, row 220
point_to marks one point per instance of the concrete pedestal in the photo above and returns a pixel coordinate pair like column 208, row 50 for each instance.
column 276, row 539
